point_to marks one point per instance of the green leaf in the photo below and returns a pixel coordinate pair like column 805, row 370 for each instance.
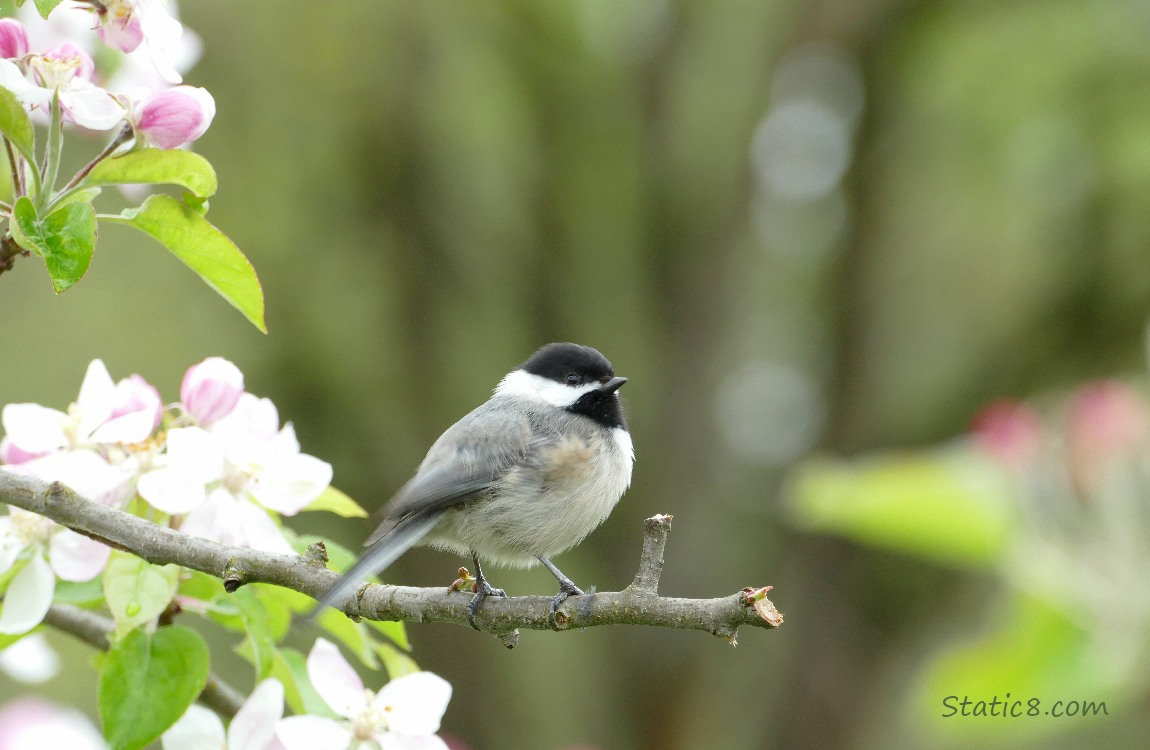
column 396, row 662
column 301, row 697
column 950, row 507
column 203, row 248
column 16, row 125
column 81, row 593
column 137, row 591
column 157, row 166
column 46, row 6
column 65, row 239
column 87, row 195
column 147, row 682
column 334, row 501
column 261, row 639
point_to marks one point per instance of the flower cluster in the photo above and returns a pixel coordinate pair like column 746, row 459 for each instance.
column 215, row 463
column 403, row 715
column 139, row 93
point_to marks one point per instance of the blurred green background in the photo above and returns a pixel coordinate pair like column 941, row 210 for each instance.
column 802, row 229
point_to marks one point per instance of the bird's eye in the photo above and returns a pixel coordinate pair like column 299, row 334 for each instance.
column 572, row 378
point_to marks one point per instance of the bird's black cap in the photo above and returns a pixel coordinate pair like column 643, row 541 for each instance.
column 558, row 361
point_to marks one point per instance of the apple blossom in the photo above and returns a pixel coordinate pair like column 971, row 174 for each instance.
column 56, row 552
column 36, row 724
column 252, row 728
column 30, row 660
column 403, row 715
column 13, row 38
column 67, row 71
column 211, row 389
column 119, row 25
column 104, row 413
column 173, row 117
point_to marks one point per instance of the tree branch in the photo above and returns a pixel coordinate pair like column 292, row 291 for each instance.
column 93, row 629
column 638, row 604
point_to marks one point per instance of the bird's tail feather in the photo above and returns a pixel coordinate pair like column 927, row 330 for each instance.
column 378, row 557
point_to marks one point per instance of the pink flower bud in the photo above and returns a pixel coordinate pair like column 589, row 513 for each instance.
column 1106, row 424
column 211, row 389
column 175, row 116
column 13, row 38
column 1010, row 432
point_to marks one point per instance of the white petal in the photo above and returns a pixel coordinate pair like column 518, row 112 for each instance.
column 82, row 470
column 417, row 702
column 333, row 678
column 28, row 597
column 291, row 482
column 75, row 557
column 259, row 531
column 35, row 724
column 171, row 491
column 254, row 725
column 97, row 396
column 27, row 92
column 11, row 544
column 198, row 729
column 133, row 427
column 211, row 519
column 34, row 428
column 313, row 733
column 30, row 660
column 196, row 451
column 91, row 106
column 396, row 741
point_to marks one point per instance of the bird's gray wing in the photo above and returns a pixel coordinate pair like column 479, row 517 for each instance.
column 469, row 457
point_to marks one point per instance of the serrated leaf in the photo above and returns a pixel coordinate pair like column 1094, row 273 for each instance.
column 157, row 166
column 136, row 590
column 203, row 248
column 334, row 501
column 65, row 239
column 147, row 682
column 16, row 125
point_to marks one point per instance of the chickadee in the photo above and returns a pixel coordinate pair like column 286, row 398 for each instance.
column 520, row 479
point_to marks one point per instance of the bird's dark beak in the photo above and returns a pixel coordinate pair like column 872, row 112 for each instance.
column 613, row 385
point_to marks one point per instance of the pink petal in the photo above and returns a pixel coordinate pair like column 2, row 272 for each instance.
column 211, row 389
column 13, row 38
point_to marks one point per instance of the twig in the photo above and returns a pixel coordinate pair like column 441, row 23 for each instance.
column 638, row 604
column 93, row 629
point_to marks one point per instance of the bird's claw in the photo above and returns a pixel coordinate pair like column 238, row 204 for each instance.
column 567, row 588
column 482, row 589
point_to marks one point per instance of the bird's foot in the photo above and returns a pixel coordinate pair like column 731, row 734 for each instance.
column 482, row 589
column 567, row 588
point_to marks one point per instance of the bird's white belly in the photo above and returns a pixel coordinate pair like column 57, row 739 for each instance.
column 539, row 511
